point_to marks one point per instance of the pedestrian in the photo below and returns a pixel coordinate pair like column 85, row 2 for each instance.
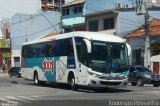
column 4, row 68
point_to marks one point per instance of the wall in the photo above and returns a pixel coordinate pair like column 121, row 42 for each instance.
column 128, row 21
column 99, row 17
column 92, row 6
column 72, row 18
column 27, row 27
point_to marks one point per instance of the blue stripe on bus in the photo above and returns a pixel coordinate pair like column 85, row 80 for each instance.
column 47, row 65
column 71, row 62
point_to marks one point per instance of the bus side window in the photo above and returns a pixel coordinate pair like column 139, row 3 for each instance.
column 81, row 50
column 63, row 47
column 28, row 51
column 41, row 49
column 68, row 45
column 49, row 49
column 57, row 48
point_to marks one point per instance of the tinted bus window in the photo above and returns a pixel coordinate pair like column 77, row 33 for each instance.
column 64, row 47
column 81, row 49
column 34, row 50
column 49, row 49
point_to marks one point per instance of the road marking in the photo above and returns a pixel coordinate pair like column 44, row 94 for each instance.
column 10, row 97
column 19, row 98
column 21, row 93
column 26, row 98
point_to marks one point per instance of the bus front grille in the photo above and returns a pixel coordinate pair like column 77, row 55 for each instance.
column 109, row 83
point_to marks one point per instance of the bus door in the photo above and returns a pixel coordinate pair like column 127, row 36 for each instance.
column 81, row 50
column 82, row 73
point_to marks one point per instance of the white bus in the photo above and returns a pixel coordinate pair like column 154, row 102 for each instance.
column 78, row 58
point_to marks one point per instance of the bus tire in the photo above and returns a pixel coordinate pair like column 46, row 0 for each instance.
column 72, row 84
column 36, row 80
column 71, row 80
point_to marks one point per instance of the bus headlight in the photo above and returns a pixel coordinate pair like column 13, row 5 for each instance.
column 90, row 73
column 94, row 75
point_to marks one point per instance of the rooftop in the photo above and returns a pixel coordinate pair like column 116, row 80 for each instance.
column 154, row 29
column 49, row 35
column 75, row 2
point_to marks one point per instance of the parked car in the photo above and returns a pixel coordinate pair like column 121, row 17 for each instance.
column 14, row 71
column 139, row 75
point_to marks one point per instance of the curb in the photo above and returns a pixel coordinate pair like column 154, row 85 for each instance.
column 3, row 74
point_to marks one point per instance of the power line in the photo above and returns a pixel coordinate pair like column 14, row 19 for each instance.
column 154, row 17
column 49, row 22
column 35, row 32
column 27, row 19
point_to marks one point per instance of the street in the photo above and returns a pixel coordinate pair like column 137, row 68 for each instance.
column 21, row 92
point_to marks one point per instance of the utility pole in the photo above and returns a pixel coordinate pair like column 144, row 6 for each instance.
column 60, row 10
column 141, row 9
column 147, row 42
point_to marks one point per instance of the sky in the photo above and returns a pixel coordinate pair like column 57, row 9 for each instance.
column 9, row 8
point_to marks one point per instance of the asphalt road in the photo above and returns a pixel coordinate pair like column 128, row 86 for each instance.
column 19, row 92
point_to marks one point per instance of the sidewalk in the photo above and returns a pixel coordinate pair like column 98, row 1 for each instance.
column 3, row 74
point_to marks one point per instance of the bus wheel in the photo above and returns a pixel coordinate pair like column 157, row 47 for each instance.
column 71, row 80
column 36, row 80
column 72, row 84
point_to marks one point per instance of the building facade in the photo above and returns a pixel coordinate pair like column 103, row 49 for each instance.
column 102, row 15
column 137, row 40
column 5, row 45
column 51, row 5
column 72, row 16
column 27, row 27
column 102, row 22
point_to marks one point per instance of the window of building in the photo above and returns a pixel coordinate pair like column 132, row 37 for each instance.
column 66, row 30
column 65, row 12
column 77, row 9
column 80, row 9
column 93, row 25
column 47, row 5
column 108, row 23
column 136, row 57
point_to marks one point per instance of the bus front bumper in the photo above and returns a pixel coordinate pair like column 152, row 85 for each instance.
column 96, row 82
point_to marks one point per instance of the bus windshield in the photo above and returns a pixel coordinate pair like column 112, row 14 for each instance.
column 107, row 57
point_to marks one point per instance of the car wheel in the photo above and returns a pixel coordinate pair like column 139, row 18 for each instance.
column 133, row 83
column 155, row 85
column 17, row 75
column 140, row 82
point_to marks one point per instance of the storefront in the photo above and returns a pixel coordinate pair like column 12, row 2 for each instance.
column 5, row 54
